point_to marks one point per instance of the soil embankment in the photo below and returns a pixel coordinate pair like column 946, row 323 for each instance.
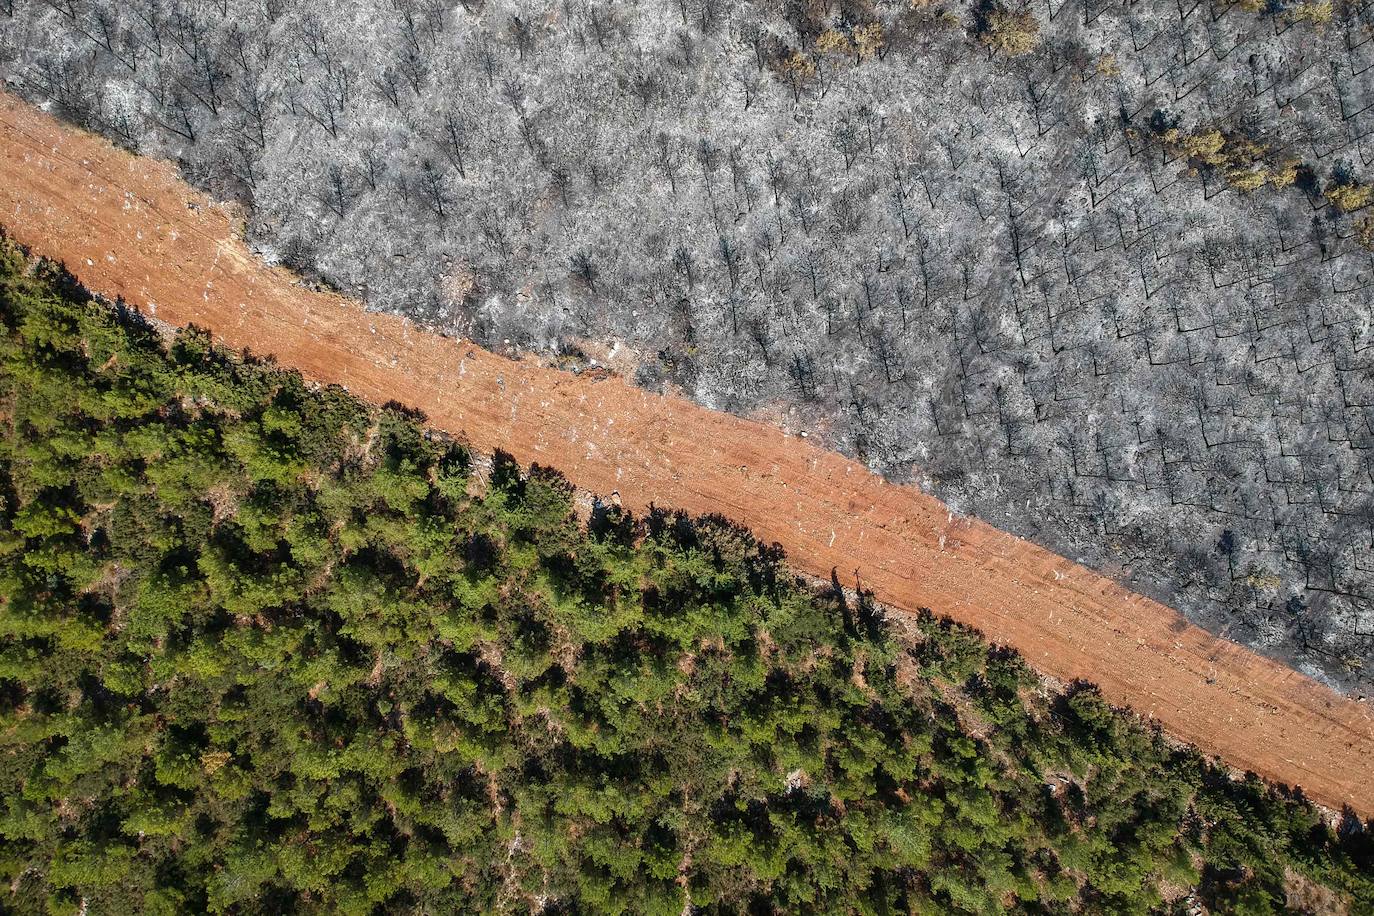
column 131, row 228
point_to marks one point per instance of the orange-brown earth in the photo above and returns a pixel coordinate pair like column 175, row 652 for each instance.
column 131, row 228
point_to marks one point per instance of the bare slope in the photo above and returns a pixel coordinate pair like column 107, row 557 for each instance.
column 129, row 227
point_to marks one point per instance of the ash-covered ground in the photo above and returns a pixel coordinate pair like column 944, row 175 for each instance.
column 1100, row 274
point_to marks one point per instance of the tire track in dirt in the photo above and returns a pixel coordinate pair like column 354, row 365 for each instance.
column 130, row 228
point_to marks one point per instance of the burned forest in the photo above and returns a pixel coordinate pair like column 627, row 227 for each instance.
column 1098, row 273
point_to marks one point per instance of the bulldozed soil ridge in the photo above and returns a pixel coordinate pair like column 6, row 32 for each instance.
column 131, row 228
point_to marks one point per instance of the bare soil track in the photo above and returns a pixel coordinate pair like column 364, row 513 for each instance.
column 131, row 228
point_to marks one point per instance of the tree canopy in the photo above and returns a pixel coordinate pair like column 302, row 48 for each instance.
column 265, row 648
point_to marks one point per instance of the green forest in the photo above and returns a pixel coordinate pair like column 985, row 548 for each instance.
column 265, row 648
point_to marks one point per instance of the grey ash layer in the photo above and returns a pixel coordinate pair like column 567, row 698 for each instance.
column 973, row 271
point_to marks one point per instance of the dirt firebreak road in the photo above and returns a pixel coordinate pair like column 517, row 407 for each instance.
column 131, row 228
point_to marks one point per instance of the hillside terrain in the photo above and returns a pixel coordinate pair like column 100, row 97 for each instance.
column 133, row 231
column 1098, row 273
column 265, row 648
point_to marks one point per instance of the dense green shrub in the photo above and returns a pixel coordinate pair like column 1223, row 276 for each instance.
column 266, row 649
